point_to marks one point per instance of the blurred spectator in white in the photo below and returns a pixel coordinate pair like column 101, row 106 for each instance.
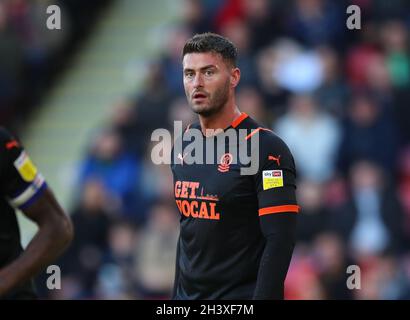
column 312, row 136
column 371, row 221
column 300, row 73
column 155, row 264
column 266, row 62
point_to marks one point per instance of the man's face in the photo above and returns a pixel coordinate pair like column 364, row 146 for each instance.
column 207, row 82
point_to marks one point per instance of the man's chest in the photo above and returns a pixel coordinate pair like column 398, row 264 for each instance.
column 212, row 191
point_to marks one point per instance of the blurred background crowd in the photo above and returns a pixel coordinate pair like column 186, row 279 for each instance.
column 31, row 57
column 339, row 98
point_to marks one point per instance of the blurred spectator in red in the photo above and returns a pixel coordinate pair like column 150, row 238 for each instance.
column 229, row 10
column 404, row 188
column 302, row 281
column 359, row 56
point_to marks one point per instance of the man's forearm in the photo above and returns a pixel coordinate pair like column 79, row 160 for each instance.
column 47, row 244
column 176, row 278
column 274, row 267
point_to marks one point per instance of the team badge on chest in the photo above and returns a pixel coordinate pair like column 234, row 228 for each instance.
column 225, row 162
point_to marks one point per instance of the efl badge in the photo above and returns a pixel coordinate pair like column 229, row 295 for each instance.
column 226, row 160
column 272, row 179
column 25, row 167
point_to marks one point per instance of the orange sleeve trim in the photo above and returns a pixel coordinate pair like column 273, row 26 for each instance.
column 279, row 209
column 239, row 119
column 255, row 131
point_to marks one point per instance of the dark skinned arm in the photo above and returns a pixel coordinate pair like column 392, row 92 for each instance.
column 54, row 235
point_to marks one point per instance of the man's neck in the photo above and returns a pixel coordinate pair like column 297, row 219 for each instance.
column 220, row 120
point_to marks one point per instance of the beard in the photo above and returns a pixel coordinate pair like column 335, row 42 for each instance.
column 215, row 102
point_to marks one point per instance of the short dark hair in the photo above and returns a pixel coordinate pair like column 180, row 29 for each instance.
column 212, row 42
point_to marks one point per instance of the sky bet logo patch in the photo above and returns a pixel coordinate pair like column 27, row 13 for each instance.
column 272, row 179
column 25, row 167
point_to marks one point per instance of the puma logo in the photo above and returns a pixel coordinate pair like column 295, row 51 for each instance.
column 277, row 159
column 12, row 144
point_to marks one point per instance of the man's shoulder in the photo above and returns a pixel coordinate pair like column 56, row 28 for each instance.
column 5, row 135
column 269, row 138
column 266, row 136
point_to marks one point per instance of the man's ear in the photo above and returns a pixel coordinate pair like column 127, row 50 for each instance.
column 235, row 77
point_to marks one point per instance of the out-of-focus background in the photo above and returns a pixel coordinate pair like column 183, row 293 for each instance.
column 85, row 99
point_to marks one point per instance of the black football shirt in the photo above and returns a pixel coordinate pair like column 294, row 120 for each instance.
column 226, row 216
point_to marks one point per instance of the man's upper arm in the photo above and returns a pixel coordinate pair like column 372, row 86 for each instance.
column 275, row 184
column 20, row 182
